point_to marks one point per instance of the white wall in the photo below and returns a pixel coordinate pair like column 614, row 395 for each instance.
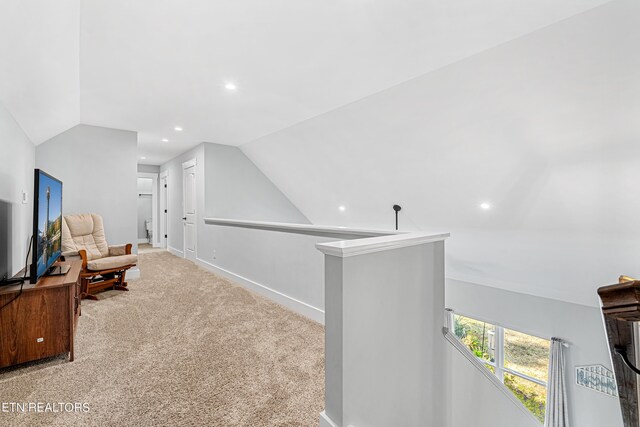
column 149, row 168
column 475, row 401
column 580, row 325
column 284, row 266
column 16, row 176
column 235, row 188
column 228, row 185
column 385, row 352
column 145, row 185
column 98, row 168
column 544, row 127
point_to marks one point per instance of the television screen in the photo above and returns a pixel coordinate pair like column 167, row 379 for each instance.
column 47, row 227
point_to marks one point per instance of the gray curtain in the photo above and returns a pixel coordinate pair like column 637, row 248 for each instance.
column 557, row 412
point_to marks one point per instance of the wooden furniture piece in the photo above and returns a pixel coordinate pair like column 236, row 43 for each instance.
column 42, row 321
column 621, row 308
column 93, row 281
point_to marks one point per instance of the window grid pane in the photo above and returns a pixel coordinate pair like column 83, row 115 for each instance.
column 526, row 354
column 533, row 396
column 478, row 336
column 525, row 377
column 524, row 368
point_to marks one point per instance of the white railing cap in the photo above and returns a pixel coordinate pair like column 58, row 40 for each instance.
column 301, row 228
column 347, row 248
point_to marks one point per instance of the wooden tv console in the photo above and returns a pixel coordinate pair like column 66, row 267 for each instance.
column 42, row 321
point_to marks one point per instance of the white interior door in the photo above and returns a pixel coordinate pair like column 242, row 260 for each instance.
column 189, row 209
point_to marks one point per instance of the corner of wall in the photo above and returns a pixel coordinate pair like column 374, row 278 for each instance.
column 247, row 193
column 16, row 177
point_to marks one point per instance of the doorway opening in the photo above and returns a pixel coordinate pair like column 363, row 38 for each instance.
column 148, row 209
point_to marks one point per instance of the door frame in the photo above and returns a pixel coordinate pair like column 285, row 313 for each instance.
column 154, row 203
column 185, row 165
column 164, row 206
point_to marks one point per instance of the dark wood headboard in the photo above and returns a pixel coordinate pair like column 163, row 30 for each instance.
column 620, row 308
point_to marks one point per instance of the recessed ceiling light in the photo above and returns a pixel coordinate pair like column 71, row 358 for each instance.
column 342, row 208
column 230, row 86
column 178, row 128
column 165, row 140
column 143, row 158
column 485, row 205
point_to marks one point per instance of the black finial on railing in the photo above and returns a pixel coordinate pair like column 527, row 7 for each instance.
column 397, row 208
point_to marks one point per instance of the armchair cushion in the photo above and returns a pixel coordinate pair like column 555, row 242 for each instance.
column 112, row 262
column 71, row 254
column 118, row 250
column 84, row 231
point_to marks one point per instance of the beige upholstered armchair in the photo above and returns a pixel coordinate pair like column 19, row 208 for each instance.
column 103, row 266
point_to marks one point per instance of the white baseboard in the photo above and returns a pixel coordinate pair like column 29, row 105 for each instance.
column 175, row 251
column 300, row 307
column 325, row 421
column 133, row 273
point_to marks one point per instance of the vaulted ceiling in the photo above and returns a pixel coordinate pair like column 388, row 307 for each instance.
column 149, row 65
column 527, row 153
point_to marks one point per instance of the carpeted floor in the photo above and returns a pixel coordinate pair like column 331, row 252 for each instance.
column 145, row 248
column 182, row 348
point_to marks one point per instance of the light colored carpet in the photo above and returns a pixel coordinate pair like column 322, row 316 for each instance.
column 182, row 348
column 145, row 248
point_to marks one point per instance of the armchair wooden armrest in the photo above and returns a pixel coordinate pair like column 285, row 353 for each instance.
column 83, row 255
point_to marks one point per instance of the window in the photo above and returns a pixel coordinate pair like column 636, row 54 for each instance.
column 519, row 360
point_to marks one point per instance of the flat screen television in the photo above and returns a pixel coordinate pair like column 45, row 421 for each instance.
column 47, row 224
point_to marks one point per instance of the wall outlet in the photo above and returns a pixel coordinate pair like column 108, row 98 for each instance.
column 25, row 197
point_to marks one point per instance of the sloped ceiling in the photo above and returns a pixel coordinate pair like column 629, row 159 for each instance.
column 39, row 65
column 544, row 128
column 149, row 65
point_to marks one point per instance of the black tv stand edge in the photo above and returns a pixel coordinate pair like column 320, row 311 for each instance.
column 58, row 270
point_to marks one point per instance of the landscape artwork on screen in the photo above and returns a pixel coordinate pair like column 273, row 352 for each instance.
column 48, row 239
